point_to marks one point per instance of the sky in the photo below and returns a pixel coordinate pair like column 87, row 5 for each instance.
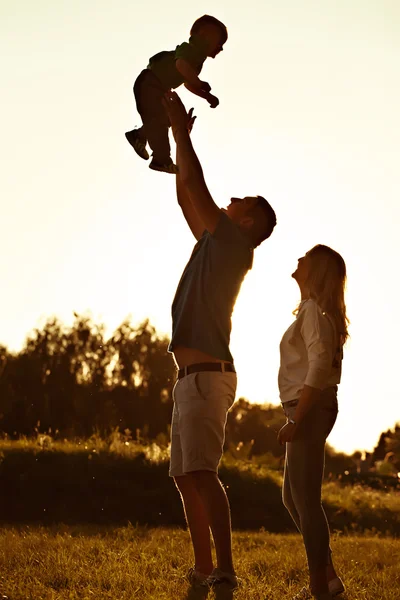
column 308, row 118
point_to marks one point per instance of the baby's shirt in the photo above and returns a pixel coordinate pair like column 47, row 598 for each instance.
column 163, row 64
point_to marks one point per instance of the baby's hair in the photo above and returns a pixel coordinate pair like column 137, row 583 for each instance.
column 208, row 20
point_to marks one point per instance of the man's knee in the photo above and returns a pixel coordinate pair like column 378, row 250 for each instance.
column 196, row 480
column 204, row 475
column 186, row 484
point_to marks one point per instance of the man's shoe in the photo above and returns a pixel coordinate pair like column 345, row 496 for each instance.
column 194, row 577
column 137, row 144
column 336, row 586
column 219, row 577
column 165, row 168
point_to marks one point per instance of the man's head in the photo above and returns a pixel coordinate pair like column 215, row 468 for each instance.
column 254, row 215
column 212, row 31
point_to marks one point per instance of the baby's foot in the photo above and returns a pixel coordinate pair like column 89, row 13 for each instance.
column 168, row 167
column 138, row 143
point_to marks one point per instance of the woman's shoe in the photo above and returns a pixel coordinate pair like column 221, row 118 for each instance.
column 336, row 586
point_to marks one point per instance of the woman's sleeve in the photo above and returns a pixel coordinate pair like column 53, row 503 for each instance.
column 318, row 335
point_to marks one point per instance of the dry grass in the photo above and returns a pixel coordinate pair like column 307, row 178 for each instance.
column 88, row 563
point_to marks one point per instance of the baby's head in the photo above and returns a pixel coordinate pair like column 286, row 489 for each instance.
column 212, row 31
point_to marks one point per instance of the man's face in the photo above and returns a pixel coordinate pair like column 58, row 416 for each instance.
column 239, row 207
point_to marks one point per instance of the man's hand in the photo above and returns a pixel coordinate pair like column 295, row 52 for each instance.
column 191, row 121
column 190, row 172
column 212, row 100
column 179, row 118
column 287, row 433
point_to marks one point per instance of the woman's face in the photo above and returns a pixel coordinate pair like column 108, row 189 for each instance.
column 301, row 273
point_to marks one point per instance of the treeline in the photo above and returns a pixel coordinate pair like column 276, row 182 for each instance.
column 71, row 381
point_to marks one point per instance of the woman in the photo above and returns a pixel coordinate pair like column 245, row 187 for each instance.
column 311, row 356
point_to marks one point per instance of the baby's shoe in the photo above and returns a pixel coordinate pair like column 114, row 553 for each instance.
column 168, row 167
column 137, row 143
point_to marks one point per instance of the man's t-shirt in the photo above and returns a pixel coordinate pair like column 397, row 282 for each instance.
column 206, row 294
column 163, row 63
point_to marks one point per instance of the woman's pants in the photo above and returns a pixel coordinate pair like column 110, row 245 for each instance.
column 304, row 470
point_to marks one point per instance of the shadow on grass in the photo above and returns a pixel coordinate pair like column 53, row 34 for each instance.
column 221, row 592
column 196, row 593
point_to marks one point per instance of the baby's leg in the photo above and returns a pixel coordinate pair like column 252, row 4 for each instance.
column 149, row 95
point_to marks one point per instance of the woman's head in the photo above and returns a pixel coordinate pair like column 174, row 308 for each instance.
column 321, row 275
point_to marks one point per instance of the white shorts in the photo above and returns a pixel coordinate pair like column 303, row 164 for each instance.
column 201, row 404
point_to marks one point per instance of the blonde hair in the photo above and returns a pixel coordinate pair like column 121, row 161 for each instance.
column 326, row 284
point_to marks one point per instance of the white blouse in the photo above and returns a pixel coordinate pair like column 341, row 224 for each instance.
column 310, row 353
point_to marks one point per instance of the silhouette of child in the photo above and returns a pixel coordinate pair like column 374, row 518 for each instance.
column 168, row 70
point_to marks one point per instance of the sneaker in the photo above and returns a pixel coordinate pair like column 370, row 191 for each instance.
column 218, row 577
column 137, row 144
column 336, row 586
column 166, row 168
column 194, row 576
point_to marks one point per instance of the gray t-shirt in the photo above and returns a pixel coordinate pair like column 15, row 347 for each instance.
column 207, row 292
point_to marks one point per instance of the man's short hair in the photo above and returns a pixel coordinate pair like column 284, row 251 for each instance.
column 208, row 20
column 265, row 227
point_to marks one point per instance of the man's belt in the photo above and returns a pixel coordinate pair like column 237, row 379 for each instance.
column 221, row 367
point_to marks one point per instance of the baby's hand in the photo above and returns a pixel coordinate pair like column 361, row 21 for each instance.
column 213, row 101
column 206, row 87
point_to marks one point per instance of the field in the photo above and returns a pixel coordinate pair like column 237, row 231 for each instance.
column 67, row 512
column 88, row 562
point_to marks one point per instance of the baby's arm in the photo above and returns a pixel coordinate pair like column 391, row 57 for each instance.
column 194, row 84
column 212, row 100
column 190, row 75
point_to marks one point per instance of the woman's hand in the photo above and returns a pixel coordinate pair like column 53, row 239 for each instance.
column 287, row 433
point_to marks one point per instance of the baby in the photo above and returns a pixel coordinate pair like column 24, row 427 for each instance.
column 168, row 70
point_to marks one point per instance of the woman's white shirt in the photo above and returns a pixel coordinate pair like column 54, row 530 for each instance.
column 310, row 353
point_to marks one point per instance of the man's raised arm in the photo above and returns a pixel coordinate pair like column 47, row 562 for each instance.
column 189, row 212
column 191, row 179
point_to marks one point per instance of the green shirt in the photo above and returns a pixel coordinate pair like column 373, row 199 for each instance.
column 163, row 63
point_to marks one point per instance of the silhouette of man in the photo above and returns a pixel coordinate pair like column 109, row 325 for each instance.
column 201, row 327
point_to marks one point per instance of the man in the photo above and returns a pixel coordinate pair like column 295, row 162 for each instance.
column 201, row 326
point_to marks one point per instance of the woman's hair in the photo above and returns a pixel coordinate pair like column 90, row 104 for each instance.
column 326, row 284
column 208, row 20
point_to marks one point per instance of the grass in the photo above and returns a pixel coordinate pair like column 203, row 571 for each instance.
column 88, row 562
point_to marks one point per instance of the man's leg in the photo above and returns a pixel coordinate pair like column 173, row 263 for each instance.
column 216, row 504
column 204, row 400
column 198, row 522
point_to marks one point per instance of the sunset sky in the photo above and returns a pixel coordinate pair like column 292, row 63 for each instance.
column 309, row 118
